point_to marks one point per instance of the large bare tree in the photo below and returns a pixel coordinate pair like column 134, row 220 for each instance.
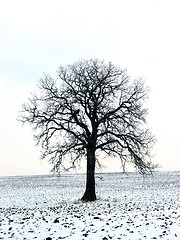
column 93, row 107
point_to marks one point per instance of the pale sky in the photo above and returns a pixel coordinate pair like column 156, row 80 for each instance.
column 36, row 37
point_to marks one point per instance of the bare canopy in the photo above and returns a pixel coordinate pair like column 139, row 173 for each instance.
column 93, row 107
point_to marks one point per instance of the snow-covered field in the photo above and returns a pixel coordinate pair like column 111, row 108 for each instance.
column 128, row 207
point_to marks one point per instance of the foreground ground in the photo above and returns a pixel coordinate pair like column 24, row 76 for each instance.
column 129, row 207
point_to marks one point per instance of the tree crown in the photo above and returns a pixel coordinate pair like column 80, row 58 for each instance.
column 92, row 105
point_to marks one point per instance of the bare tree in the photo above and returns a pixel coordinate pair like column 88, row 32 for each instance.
column 93, row 107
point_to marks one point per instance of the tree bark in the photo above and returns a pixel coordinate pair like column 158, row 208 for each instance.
column 90, row 194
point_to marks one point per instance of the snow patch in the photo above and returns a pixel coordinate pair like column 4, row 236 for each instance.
column 129, row 207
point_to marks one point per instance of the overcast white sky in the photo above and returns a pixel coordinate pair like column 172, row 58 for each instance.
column 38, row 36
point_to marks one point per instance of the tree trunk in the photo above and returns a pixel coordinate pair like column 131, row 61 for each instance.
column 90, row 194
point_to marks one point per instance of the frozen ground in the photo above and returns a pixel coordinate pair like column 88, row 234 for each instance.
column 129, row 207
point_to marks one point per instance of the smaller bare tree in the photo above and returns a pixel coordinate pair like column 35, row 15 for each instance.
column 92, row 108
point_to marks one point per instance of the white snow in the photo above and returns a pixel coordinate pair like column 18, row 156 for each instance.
column 128, row 207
